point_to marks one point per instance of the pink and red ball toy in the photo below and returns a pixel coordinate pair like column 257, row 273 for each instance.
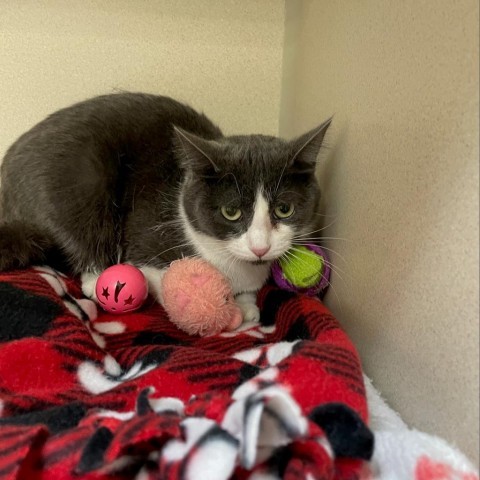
column 121, row 289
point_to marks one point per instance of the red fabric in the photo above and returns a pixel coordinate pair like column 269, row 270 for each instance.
column 63, row 404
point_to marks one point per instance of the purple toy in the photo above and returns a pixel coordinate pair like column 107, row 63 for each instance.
column 121, row 289
column 304, row 269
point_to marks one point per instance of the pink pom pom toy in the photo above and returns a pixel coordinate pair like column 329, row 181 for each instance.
column 198, row 298
column 121, row 289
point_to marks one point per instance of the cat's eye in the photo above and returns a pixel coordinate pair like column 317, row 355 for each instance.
column 231, row 213
column 284, row 210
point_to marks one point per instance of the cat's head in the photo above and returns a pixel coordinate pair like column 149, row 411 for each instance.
column 250, row 196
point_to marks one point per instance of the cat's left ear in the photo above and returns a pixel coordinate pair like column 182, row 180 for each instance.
column 306, row 147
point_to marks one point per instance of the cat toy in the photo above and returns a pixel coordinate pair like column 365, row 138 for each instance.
column 199, row 299
column 303, row 269
column 121, row 289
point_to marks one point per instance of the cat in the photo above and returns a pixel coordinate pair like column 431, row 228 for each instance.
column 144, row 179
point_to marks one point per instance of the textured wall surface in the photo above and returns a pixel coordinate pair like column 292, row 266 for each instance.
column 401, row 181
column 222, row 56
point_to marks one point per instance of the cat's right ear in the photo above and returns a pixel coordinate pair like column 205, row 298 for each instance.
column 195, row 153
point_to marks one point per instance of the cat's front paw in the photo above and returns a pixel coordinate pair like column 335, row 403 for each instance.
column 89, row 282
column 250, row 312
column 246, row 303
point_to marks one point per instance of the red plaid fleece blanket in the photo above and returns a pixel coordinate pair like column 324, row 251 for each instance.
column 88, row 395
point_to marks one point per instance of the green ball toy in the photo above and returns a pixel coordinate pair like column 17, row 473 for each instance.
column 304, row 268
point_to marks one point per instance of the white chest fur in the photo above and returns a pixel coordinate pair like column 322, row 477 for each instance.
column 244, row 276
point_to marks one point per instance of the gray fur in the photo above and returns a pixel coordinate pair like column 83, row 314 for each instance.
column 100, row 181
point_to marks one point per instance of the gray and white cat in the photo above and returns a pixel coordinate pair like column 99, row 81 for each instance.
column 145, row 179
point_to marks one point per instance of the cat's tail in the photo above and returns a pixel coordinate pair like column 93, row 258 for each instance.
column 22, row 245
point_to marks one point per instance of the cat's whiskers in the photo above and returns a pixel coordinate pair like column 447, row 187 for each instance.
column 297, row 194
column 175, row 221
column 234, row 261
column 165, row 251
column 325, row 215
column 328, row 249
column 170, row 198
column 174, row 196
column 327, row 226
column 323, row 238
column 221, row 249
column 317, row 230
column 161, row 225
column 334, row 268
column 297, row 257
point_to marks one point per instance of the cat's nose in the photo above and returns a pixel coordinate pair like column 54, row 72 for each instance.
column 260, row 252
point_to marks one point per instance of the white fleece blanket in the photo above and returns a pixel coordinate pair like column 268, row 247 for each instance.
column 402, row 453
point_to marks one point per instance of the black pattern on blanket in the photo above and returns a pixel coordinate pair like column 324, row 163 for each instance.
column 85, row 394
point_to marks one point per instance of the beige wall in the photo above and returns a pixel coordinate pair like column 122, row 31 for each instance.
column 222, row 56
column 401, row 181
